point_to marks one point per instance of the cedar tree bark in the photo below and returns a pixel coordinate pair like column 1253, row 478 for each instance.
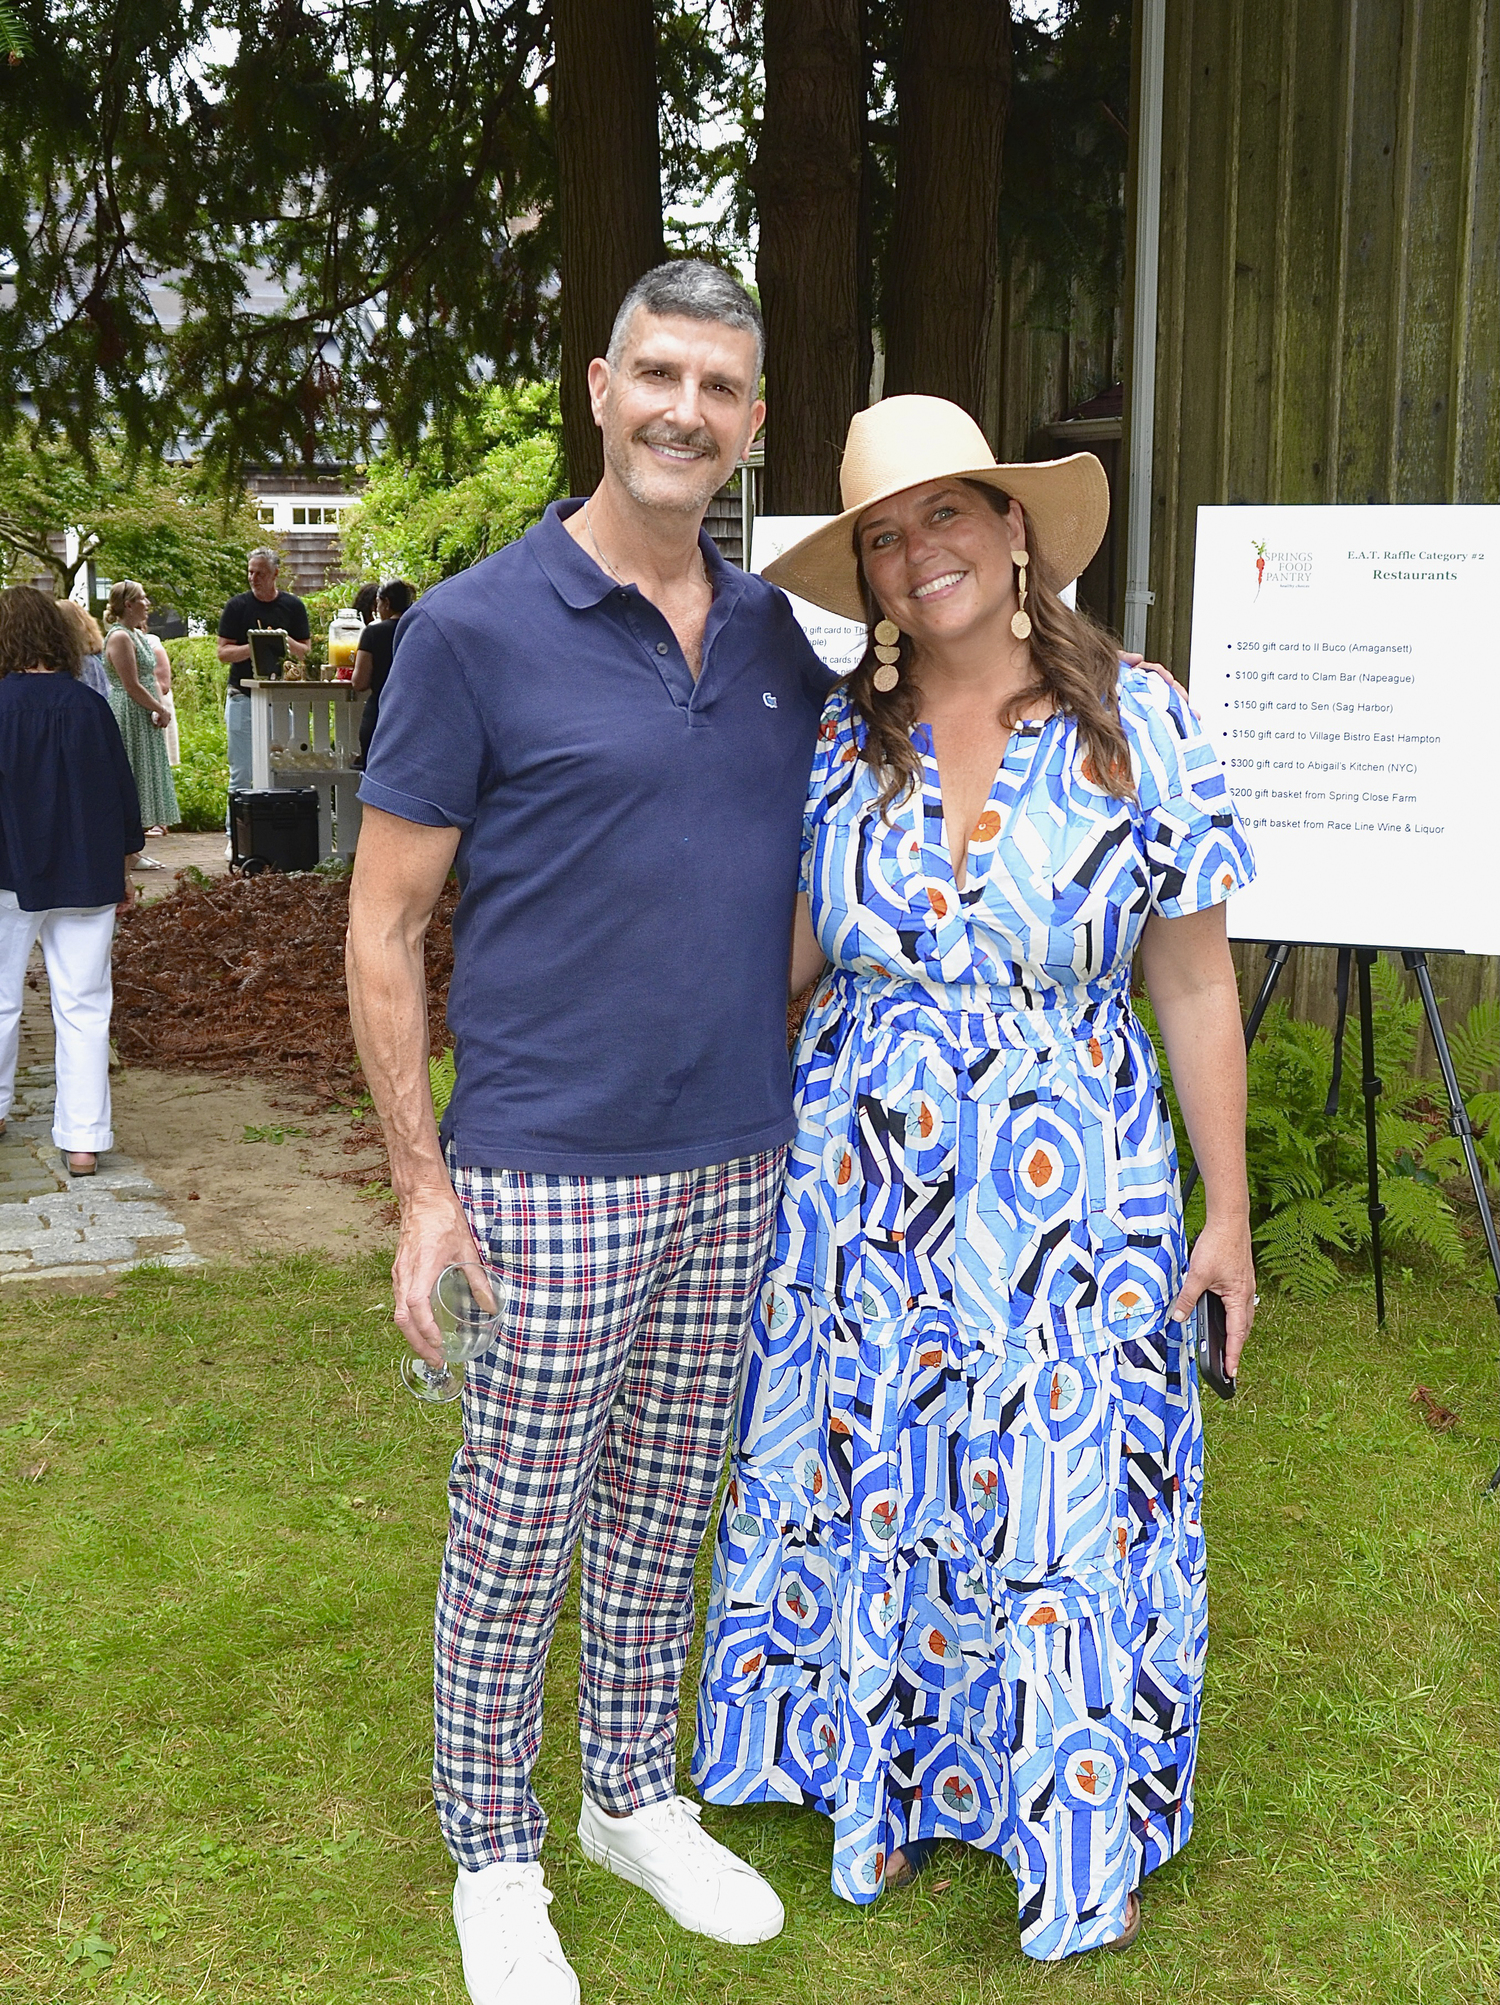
column 608, row 192
column 807, row 184
column 952, row 96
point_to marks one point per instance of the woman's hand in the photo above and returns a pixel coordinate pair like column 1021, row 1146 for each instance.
column 161, row 718
column 1222, row 1260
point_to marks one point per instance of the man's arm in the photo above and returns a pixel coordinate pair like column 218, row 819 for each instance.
column 808, row 958
column 400, row 868
column 231, row 648
column 299, row 643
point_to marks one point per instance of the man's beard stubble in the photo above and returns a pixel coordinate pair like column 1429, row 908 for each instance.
column 685, row 501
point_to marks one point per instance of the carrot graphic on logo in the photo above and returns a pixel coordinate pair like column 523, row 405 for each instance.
column 1260, row 564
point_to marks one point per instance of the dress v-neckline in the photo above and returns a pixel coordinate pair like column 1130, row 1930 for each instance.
column 1029, row 731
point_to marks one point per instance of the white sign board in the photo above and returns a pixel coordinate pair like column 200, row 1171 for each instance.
column 1346, row 661
column 837, row 643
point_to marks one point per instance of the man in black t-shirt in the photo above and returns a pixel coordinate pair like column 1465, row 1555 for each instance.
column 262, row 606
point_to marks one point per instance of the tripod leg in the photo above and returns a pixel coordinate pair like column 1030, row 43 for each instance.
column 1371, row 1085
column 1458, row 1125
column 1278, row 958
column 1458, row 1119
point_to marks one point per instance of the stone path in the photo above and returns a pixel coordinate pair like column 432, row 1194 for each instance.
column 53, row 1226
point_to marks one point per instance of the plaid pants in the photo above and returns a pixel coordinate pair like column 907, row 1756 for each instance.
column 604, row 1410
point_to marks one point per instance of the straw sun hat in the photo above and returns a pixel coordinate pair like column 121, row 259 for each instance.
column 905, row 442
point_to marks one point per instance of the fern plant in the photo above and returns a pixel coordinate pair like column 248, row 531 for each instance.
column 440, row 1076
column 1475, row 1046
column 1306, row 1167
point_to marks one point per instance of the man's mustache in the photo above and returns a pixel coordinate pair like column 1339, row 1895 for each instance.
column 667, row 435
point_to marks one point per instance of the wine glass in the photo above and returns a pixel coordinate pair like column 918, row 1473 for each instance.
column 468, row 1305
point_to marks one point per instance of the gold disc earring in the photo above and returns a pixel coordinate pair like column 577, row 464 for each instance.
column 1020, row 619
column 887, row 654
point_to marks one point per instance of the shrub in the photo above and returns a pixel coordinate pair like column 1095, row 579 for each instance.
column 202, row 780
column 440, row 1075
column 1307, row 1168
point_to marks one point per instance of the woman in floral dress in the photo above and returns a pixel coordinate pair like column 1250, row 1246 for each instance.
column 142, row 708
column 959, row 1582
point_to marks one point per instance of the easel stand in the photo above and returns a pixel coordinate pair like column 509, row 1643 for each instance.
column 1415, row 962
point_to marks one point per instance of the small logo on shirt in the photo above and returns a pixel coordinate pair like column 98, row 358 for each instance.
column 768, row 699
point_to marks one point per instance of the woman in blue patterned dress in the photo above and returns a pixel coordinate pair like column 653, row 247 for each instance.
column 959, row 1581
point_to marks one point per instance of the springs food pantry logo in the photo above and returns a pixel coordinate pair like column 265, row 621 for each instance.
column 1290, row 570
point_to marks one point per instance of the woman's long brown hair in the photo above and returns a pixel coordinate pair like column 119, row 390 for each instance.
column 1075, row 662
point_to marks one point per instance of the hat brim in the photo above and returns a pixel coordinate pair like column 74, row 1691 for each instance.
column 1066, row 503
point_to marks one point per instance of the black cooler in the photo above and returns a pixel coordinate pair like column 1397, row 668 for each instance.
column 274, row 828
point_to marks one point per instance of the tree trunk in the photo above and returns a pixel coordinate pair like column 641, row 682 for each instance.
column 952, row 96
column 808, row 169
column 608, row 191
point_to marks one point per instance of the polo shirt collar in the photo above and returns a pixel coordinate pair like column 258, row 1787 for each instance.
column 580, row 582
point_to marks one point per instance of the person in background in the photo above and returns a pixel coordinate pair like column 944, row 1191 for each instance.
column 140, row 696
column 70, row 822
column 93, row 674
column 264, row 605
column 364, row 602
column 372, row 662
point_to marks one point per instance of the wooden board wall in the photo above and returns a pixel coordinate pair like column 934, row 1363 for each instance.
column 1329, row 311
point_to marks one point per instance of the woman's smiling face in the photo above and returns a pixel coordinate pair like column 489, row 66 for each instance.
column 937, row 557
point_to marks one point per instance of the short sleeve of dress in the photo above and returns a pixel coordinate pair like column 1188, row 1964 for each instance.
column 1196, row 848
column 836, row 752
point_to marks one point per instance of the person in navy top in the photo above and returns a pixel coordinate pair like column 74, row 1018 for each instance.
column 69, row 822
column 609, row 731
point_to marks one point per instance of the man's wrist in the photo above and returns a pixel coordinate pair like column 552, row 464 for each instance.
column 419, row 1187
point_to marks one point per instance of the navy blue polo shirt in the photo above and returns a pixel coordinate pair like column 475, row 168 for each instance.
column 628, row 856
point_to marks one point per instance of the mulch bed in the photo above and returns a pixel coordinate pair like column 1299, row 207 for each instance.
column 247, row 974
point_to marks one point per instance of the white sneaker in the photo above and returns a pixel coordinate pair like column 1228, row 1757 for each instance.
column 229, row 852
column 511, row 1952
column 701, row 1883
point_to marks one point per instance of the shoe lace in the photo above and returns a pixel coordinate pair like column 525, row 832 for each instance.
column 680, row 1820
column 524, row 1894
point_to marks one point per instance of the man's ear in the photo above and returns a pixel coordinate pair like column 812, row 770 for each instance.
column 599, row 375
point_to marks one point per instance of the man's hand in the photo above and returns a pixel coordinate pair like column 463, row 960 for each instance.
column 1155, row 668
column 132, row 891
column 434, row 1235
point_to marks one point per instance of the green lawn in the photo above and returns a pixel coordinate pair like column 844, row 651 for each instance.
column 214, row 1626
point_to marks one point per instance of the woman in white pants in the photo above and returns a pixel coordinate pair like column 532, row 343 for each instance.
column 69, row 821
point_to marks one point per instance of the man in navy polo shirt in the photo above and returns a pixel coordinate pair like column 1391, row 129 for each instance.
column 610, row 731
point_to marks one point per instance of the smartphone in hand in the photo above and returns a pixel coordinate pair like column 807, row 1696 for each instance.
column 1209, row 1331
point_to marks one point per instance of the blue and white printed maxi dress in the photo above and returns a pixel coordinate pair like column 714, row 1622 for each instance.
column 959, row 1582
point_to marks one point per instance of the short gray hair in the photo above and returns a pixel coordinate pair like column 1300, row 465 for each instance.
column 270, row 556
column 690, row 290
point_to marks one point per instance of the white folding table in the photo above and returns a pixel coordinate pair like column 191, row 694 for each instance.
column 307, row 734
